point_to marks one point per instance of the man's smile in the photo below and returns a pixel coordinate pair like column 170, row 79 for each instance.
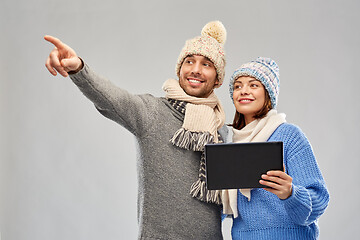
column 195, row 81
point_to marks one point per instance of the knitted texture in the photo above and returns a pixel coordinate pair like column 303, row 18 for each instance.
column 203, row 118
column 258, row 130
column 203, row 115
column 263, row 69
column 178, row 105
column 166, row 210
column 268, row 217
column 210, row 44
column 198, row 188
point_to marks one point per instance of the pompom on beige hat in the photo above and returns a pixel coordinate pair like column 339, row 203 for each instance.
column 210, row 44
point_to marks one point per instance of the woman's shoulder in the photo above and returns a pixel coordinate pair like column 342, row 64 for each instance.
column 293, row 138
column 289, row 131
column 288, row 127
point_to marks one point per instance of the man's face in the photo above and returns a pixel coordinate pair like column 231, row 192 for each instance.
column 198, row 76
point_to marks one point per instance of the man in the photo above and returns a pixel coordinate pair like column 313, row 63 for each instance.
column 173, row 202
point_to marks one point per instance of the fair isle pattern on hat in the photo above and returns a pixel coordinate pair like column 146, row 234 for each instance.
column 210, row 44
column 263, row 69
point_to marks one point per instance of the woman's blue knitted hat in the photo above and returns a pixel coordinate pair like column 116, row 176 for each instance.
column 263, row 69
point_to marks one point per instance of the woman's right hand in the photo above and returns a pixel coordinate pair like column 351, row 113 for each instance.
column 62, row 58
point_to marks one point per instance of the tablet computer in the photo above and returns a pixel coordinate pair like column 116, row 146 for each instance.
column 240, row 165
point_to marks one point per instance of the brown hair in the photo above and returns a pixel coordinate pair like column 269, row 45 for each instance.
column 239, row 119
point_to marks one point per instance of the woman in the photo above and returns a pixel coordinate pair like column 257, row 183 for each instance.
column 292, row 202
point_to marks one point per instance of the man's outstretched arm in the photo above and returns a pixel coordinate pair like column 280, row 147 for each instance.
column 131, row 111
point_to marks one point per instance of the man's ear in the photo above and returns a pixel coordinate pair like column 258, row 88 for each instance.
column 217, row 82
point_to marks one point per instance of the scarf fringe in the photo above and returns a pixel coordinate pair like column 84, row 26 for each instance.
column 198, row 190
column 194, row 141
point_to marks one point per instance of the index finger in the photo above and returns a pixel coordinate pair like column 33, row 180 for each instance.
column 54, row 41
column 277, row 173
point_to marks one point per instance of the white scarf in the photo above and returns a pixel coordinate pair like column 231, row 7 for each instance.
column 202, row 115
column 203, row 118
column 258, row 130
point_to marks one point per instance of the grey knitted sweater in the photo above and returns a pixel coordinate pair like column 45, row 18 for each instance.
column 165, row 172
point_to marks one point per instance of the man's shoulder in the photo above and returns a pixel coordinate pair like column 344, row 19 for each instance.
column 149, row 98
column 158, row 105
column 224, row 133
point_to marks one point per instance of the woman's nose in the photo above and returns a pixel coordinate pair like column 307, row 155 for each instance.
column 244, row 90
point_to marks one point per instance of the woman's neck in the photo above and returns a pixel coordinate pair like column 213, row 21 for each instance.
column 248, row 119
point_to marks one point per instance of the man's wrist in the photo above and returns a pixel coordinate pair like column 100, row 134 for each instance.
column 78, row 69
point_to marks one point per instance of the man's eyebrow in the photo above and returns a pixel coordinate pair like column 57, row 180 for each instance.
column 206, row 58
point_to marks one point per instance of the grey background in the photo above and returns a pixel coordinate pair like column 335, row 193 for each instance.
column 66, row 172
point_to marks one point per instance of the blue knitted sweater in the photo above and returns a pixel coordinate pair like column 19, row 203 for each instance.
column 266, row 216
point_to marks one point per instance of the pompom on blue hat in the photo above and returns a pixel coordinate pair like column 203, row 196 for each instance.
column 264, row 70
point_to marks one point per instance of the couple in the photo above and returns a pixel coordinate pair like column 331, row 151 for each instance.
column 173, row 202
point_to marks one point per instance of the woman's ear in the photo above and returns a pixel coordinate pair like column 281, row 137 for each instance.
column 269, row 106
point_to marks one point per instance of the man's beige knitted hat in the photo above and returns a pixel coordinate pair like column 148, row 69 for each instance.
column 210, row 44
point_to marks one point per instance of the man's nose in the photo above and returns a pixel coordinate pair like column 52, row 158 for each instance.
column 196, row 68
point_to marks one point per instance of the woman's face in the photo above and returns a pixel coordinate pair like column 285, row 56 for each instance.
column 248, row 96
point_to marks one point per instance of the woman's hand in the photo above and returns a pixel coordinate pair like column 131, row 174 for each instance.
column 279, row 183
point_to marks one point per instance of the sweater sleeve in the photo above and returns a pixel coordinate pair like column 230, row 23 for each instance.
column 310, row 196
column 113, row 102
